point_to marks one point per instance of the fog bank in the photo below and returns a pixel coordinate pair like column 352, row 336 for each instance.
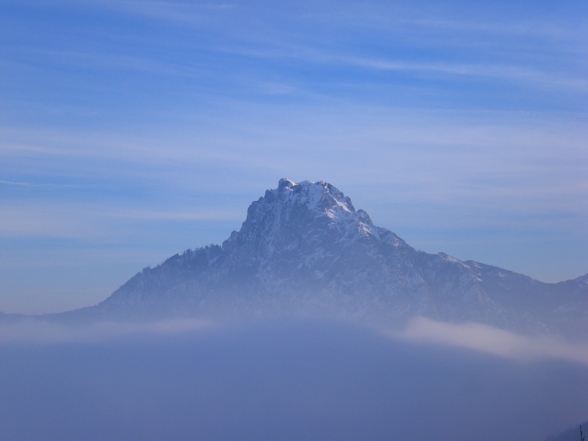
column 498, row 342
column 288, row 380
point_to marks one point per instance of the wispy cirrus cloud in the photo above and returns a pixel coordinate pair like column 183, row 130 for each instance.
column 36, row 184
column 244, row 38
column 87, row 221
column 192, row 13
column 521, row 75
column 523, row 161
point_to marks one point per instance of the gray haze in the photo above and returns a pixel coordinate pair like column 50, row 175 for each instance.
column 287, row 379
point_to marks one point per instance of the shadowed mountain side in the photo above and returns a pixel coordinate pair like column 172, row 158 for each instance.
column 305, row 250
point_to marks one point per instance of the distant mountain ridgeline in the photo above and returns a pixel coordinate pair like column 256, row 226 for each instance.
column 304, row 250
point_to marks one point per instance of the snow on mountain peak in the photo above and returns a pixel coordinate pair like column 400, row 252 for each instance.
column 311, row 209
column 317, row 195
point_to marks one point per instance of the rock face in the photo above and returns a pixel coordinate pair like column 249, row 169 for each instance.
column 305, row 250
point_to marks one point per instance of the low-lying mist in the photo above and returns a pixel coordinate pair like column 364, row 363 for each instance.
column 285, row 379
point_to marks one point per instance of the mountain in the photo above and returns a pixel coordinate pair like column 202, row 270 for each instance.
column 305, row 250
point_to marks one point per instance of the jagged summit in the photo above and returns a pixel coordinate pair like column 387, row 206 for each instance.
column 304, row 249
column 307, row 214
column 319, row 196
column 319, row 199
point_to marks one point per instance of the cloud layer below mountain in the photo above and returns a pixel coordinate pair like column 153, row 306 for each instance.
column 287, row 379
column 497, row 342
column 420, row 331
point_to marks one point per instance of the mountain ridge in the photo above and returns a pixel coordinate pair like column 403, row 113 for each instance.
column 304, row 249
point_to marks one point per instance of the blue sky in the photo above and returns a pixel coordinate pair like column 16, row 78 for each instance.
column 132, row 130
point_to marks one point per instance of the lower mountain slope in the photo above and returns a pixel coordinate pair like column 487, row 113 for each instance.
column 305, row 250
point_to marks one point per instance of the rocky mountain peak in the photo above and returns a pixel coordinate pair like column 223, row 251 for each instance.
column 317, row 196
column 305, row 213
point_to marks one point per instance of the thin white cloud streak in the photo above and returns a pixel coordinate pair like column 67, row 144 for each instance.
column 519, row 28
column 494, row 341
column 255, row 126
column 59, row 220
column 79, row 220
column 528, row 162
column 525, row 76
column 130, row 147
column 112, row 62
column 521, row 75
column 286, row 47
column 203, row 215
column 94, row 254
column 36, row 184
column 387, row 17
column 410, row 19
column 191, row 13
column 42, row 331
